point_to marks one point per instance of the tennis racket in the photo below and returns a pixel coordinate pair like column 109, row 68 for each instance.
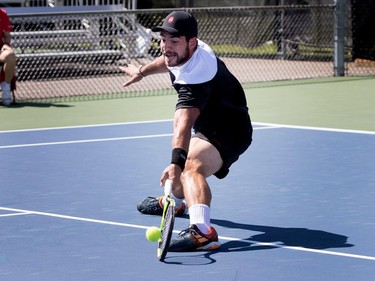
column 167, row 222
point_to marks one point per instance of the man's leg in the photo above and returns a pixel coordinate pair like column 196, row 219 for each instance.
column 203, row 161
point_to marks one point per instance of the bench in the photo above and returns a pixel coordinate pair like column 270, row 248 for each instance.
column 69, row 40
column 38, row 39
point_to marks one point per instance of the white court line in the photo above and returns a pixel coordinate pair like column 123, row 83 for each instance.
column 274, row 125
column 296, row 248
column 28, row 212
column 83, row 141
column 15, row 214
column 271, row 125
column 86, row 126
column 96, row 140
column 255, row 243
column 266, row 126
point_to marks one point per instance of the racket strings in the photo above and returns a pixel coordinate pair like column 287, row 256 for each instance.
column 166, row 231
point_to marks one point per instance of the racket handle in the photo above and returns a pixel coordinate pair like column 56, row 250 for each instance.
column 168, row 187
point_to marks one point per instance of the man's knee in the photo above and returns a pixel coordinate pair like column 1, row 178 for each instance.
column 8, row 55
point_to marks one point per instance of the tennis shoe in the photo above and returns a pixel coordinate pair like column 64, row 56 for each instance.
column 154, row 206
column 7, row 97
column 192, row 239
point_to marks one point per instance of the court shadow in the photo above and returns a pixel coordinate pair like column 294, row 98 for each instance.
column 269, row 237
column 280, row 236
column 38, row 104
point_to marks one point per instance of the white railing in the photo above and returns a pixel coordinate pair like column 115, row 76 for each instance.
column 52, row 3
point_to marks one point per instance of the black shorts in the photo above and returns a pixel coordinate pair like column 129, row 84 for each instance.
column 229, row 146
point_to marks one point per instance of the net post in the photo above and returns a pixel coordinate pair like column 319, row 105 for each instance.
column 339, row 38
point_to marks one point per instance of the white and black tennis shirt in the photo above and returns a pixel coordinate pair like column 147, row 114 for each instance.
column 205, row 82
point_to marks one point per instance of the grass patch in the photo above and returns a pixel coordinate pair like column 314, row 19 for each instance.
column 270, row 50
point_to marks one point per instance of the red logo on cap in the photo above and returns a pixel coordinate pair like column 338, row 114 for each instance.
column 170, row 20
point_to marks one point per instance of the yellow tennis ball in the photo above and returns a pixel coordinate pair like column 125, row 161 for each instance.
column 153, row 234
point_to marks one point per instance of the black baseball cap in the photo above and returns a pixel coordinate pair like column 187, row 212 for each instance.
column 179, row 23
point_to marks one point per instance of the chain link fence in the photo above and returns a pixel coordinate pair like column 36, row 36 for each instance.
column 66, row 52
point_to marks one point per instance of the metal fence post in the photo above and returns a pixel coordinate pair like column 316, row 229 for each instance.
column 339, row 38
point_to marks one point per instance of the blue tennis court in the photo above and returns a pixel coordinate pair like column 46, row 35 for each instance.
column 298, row 205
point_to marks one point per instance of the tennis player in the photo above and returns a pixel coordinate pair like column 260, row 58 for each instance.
column 7, row 58
column 212, row 102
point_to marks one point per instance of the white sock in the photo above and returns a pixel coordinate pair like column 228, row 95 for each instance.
column 167, row 190
column 200, row 216
column 178, row 201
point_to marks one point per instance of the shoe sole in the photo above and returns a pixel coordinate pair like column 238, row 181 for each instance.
column 210, row 246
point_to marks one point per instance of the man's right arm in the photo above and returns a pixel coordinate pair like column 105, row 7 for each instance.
column 137, row 73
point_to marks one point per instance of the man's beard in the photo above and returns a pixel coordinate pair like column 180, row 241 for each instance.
column 179, row 59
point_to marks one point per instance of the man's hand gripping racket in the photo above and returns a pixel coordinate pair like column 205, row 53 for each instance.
column 167, row 222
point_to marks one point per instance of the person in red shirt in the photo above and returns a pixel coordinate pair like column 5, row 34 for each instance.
column 7, row 58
